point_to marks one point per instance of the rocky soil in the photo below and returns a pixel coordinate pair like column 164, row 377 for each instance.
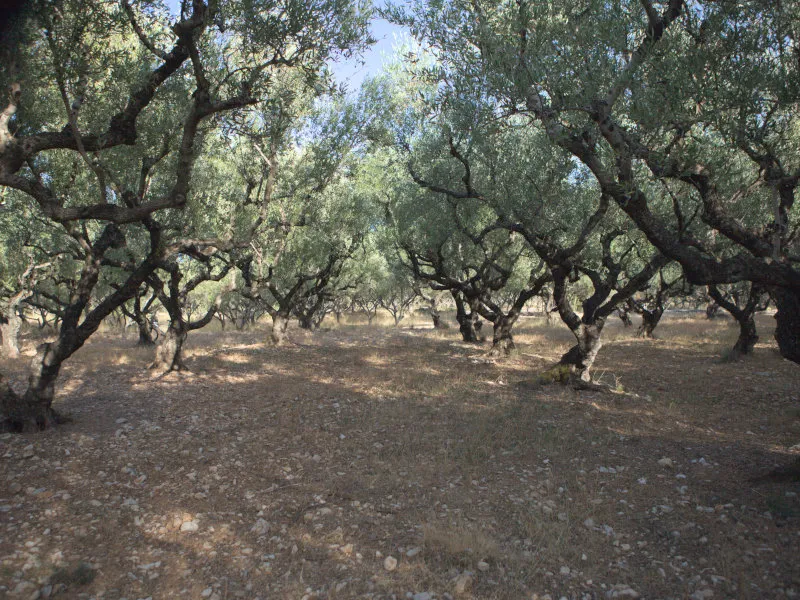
column 379, row 463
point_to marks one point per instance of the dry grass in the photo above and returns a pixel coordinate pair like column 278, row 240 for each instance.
column 355, row 443
column 462, row 546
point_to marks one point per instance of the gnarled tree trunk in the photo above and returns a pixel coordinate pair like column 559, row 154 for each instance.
column 748, row 336
column 145, row 329
column 280, row 323
column 9, row 329
column 582, row 355
column 650, row 320
column 468, row 322
column 744, row 315
column 33, row 410
column 466, row 325
column 502, row 340
column 787, row 330
column 169, row 351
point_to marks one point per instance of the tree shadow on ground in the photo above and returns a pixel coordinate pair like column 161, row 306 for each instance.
column 393, row 442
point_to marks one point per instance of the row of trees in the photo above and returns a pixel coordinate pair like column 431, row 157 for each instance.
column 602, row 157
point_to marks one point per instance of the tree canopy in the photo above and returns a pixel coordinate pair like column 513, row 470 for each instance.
column 607, row 155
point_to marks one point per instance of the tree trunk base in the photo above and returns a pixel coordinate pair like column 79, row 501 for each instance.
column 163, row 367
column 278, row 333
column 169, row 353
column 503, row 347
column 569, row 375
column 9, row 332
column 787, row 331
column 145, row 343
column 32, row 422
column 471, row 331
column 748, row 338
column 167, row 364
column 22, row 414
column 645, row 332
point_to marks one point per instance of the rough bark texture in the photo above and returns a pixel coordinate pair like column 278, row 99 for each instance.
column 502, row 340
column 744, row 313
column 650, row 320
column 25, row 413
column 468, row 322
column 787, row 331
column 467, row 328
column 146, row 334
column 748, row 336
column 279, row 324
column 9, row 329
column 32, row 411
column 436, row 315
column 81, row 318
column 582, row 355
column 169, row 351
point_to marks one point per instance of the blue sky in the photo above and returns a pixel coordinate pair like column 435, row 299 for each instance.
column 353, row 71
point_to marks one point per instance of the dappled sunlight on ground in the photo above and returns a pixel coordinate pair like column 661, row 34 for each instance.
column 302, row 468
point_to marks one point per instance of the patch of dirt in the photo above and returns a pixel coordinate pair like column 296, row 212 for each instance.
column 297, row 472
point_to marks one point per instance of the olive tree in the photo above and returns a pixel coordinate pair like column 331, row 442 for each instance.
column 515, row 174
column 108, row 107
column 742, row 301
column 684, row 113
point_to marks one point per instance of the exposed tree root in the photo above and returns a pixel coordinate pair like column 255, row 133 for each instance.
column 569, row 376
column 502, row 349
column 18, row 415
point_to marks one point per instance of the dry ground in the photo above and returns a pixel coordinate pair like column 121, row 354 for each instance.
column 295, row 472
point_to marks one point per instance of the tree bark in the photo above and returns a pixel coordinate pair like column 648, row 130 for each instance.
column 9, row 329
column 744, row 315
column 279, row 325
column 466, row 326
column 466, row 321
column 169, row 351
column 582, row 355
column 144, row 325
column 748, row 336
column 712, row 308
column 145, row 333
column 502, row 340
column 32, row 411
column 433, row 310
column 787, row 331
column 650, row 320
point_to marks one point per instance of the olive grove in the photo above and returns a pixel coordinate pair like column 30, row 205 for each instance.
column 606, row 158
